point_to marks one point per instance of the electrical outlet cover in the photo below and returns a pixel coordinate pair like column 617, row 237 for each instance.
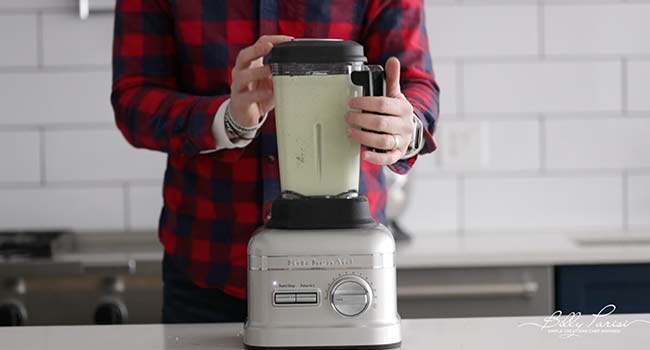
column 464, row 145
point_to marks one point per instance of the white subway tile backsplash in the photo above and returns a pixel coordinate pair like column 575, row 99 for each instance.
column 639, row 202
column 507, row 145
column 92, row 155
column 432, row 206
column 542, row 87
column 144, row 207
column 482, row 30
column 66, row 208
column 19, row 40
column 67, row 40
column 486, row 55
column 598, row 144
column 56, row 97
column 19, row 156
column 38, row 4
column 538, row 203
column 514, row 145
column 638, row 80
column 618, row 28
column 429, row 163
column 446, row 78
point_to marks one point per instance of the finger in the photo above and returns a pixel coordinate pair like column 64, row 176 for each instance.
column 392, row 77
column 388, row 158
column 265, row 83
column 275, row 39
column 372, row 139
column 376, row 122
column 251, row 53
column 266, row 105
column 258, row 50
column 254, row 96
column 382, row 105
column 243, row 77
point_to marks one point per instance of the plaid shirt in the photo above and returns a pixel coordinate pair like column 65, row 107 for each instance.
column 171, row 64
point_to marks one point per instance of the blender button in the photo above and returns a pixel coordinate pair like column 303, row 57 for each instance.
column 307, row 298
column 271, row 158
column 285, row 298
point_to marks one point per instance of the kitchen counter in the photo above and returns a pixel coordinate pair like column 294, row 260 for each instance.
column 444, row 334
column 439, row 275
column 424, row 251
column 537, row 249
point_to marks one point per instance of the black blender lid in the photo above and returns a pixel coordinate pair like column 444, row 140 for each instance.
column 317, row 51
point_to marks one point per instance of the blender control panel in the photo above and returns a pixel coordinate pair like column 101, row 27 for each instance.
column 295, row 298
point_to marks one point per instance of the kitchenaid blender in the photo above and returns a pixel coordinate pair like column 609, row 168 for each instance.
column 321, row 272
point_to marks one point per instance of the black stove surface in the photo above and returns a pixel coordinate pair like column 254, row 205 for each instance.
column 28, row 244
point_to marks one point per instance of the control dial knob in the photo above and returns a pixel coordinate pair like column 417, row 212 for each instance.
column 111, row 311
column 12, row 313
column 350, row 296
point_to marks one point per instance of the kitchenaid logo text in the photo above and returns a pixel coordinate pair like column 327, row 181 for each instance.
column 320, row 262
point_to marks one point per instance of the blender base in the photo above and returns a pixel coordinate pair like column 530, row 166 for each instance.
column 323, row 338
column 351, row 347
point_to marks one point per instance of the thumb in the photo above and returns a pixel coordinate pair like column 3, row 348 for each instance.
column 392, row 77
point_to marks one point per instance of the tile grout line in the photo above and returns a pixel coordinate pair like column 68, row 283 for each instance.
column 541, row 28
column 78, row 68
column 127, row 205
column 77, row 184
column 624, row 203
column 30, row 10
column 42, row 156
column 543, row 154
column 560, row 173
column 460, row 89
column 39, row 40
column 460, row 205
column 624, row 82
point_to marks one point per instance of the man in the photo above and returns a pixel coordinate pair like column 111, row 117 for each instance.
column 181, row 68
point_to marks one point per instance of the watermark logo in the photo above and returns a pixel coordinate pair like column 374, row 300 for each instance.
column 575, row 324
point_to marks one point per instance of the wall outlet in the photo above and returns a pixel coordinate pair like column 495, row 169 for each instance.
column 464, row 145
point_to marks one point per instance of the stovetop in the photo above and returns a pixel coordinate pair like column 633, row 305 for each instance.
column 28, row 244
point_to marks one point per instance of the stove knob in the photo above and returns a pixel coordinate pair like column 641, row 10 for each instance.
column 12, row 313
column 351, row 296
column 111, row 311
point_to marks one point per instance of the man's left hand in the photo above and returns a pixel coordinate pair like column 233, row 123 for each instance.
column 387, row 122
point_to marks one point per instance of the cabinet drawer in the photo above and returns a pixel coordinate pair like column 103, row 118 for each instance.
column 474, row 292
column 589, row 288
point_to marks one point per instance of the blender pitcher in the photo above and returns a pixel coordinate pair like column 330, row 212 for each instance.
column 313, row 81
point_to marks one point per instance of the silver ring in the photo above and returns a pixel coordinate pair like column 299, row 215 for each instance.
column 396, row 140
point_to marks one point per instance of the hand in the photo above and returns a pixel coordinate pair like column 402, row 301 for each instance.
column 388, row 120
column 251, row 91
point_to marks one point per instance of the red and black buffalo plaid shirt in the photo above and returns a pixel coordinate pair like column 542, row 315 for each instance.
column 171, row 64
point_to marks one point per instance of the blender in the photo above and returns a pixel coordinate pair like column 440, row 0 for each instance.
column 321, row 272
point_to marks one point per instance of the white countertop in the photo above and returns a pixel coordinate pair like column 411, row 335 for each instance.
column 444, row 334
column 476, row 250
column 437, row 250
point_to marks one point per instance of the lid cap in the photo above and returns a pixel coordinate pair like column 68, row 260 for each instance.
column 317, row 51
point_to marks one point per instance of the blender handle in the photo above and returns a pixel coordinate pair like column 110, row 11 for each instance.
column 373, row 81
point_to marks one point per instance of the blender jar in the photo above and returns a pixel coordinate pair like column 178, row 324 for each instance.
column 313, row 81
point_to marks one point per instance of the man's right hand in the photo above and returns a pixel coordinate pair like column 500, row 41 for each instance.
column 251, row 91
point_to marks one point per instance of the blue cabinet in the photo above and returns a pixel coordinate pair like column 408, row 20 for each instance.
column 591, row 287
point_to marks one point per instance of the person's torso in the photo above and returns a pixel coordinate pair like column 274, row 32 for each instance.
column 221, row 203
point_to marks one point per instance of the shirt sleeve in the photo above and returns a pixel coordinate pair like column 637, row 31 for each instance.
column 398, row 28
column 150, row 110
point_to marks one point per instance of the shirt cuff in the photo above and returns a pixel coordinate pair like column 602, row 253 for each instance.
column 220, row 135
